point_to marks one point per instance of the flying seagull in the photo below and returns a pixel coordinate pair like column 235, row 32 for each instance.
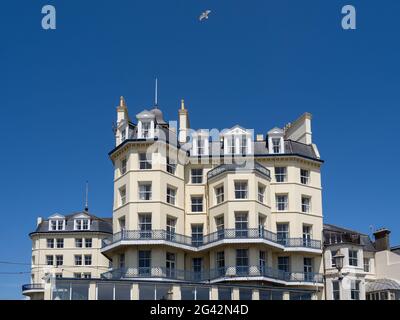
column 204, row 15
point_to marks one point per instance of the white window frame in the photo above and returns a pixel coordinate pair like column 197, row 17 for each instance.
column 195, row 177
column 305, row 176
column 276, row 145
column 90, row 241
column 171, row 166
column 282, row 175
column 59, row 224
column 197, row 205
column 122, row 195
column 305, row 204
column 241, row 189
column 79, row 224
column 147, row 194
column 145, row 161
column 284, row 203
column 352, row 258
column 78, row 240
column 89, row 256
column 171, row 195
column 219, row 196
column 80, row 260
column 124, row 165
column 261, row 195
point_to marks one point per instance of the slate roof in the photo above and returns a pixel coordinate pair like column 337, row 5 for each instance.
column 354, row 236
column 103, row 225
column 293, row 148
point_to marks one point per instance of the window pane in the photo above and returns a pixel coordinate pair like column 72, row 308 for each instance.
column 122, row 292
column 202, row 293
column 163, row 292
column 187, row 293
column 80, row 291
column 245, row 294
column 146, row 292
column 105, row 291
column 224, row 294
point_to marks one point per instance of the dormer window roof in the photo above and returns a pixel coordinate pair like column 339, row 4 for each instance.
column 237, row 140
column 276, row 143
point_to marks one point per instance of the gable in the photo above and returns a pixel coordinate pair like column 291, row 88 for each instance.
column 56, row 216
column 236, row 130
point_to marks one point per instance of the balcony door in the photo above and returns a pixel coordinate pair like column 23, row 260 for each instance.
column 197, row 268
column 306, row 236
column 171, row 224
column 242, row 262
column 145, row 226
column 241, row 225
column 170, row 265
column 308, row 269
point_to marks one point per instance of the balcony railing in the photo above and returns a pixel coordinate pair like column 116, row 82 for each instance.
column 224, row 234
column 222, row 273
column 235, row 167
column 33, row 286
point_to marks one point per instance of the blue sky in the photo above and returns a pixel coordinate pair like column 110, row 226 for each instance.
column 256, row 63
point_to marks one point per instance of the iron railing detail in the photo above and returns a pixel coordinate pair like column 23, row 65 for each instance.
column 222, row 273
column 223, row 234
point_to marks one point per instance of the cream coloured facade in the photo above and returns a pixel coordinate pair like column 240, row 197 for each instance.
column 66, row 247
column 223, row 208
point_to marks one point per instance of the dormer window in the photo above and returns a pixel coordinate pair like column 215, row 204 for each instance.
column 238, row 141
column 200, row 146
column 146, row 126
column 56, row 225
column 276, row 145
column 81, row 224
column 243, row 145
column 276, row 142
column 231, row 145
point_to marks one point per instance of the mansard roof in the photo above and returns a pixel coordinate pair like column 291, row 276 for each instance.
column 103, row 225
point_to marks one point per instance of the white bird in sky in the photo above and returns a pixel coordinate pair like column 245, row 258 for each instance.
column 204, row 15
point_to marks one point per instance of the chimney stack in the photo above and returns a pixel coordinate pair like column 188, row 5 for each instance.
column 382, row 239
column 259, row 137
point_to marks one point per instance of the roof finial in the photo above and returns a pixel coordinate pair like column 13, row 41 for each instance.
column 156, row 95
column 182, row 104
column 87, row 197
column 122, row 102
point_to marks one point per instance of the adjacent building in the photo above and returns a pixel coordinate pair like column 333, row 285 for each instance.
column 66, row 247
column 370, row 269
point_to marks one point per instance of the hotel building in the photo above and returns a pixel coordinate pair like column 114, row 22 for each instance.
column 221, row 215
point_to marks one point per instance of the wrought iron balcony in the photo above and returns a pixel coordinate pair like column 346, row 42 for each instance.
column 32, row 286
column 223, row 274
column 225, row 234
